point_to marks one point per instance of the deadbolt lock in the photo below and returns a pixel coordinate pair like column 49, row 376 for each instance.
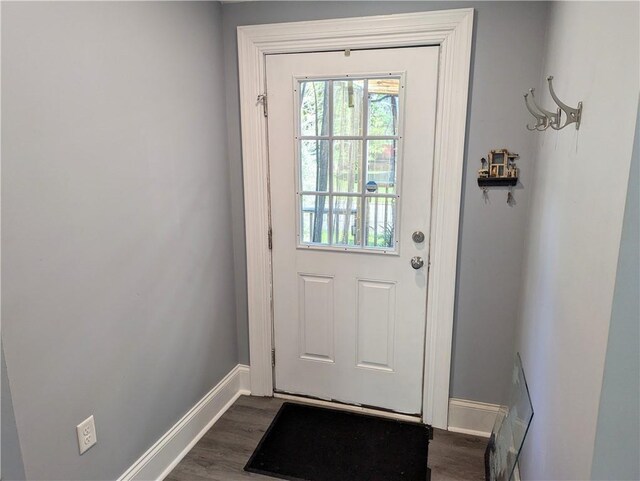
column 417, row 237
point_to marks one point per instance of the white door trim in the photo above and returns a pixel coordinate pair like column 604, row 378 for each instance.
column 452, row 31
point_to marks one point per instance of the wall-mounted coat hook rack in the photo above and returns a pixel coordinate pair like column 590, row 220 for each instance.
column 545, row 118
column 573, row 115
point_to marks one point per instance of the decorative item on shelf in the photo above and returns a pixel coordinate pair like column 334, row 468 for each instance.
column 499, row 170
column 545, row 118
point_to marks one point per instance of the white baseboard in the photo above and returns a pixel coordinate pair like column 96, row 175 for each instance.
column 472, row 417
column 167, row 452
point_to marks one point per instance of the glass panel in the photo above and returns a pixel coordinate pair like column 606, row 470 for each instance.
column 335, row 195
column 380, row 222
column 383, row 106
column 314, row 108
column 347, row 107
column 347, row 155
column 510, row 428
column 381, row 166
column 314, row 165
column 346, row 220
column 315, row 219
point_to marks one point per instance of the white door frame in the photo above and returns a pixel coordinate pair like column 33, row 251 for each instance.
column 450, row 29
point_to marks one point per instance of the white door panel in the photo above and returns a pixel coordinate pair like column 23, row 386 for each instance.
column 349, row 309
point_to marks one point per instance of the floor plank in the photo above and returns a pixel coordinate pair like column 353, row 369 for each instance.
column 224, row 450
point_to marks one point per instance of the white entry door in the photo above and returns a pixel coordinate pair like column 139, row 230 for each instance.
column 351, row 140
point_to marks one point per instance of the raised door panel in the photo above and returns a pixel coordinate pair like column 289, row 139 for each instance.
column 316, row 317
column 376, row 324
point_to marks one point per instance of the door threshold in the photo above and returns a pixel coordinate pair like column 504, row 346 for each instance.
column 349, row 407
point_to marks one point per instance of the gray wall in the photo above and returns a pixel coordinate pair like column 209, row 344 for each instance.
column 577, row 207
column 618, row 430
column 117, row 283
column 12, row 467
column 508, row 54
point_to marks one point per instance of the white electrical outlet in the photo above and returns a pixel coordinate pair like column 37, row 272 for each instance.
column 86, row 434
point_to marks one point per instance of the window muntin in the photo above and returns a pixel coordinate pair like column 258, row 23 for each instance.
column 348, row 162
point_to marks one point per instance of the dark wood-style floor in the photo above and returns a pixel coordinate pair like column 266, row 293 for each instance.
column 222, row 453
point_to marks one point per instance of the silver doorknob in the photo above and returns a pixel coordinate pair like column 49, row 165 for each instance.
column 417, row 262
column 417, row 237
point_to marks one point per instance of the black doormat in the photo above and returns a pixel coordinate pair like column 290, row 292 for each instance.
column 309, row 443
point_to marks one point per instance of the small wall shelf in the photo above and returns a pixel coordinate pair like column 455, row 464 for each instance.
column 496, row 181
column 499, row 170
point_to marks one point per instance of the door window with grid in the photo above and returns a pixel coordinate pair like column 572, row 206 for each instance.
column 348, row 153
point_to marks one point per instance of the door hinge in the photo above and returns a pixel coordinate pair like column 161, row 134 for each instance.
column 273, row 357
column 262, row 98
column 270, row 238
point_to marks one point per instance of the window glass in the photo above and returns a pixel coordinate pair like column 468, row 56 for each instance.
column 346, row 220
column 348, row 96
column 383, row 101
column 314, row 108
column 347, row 156
column 314, row 165
column 380, row 222
column 348, row 137
column 315, row 219
column 381, row 166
